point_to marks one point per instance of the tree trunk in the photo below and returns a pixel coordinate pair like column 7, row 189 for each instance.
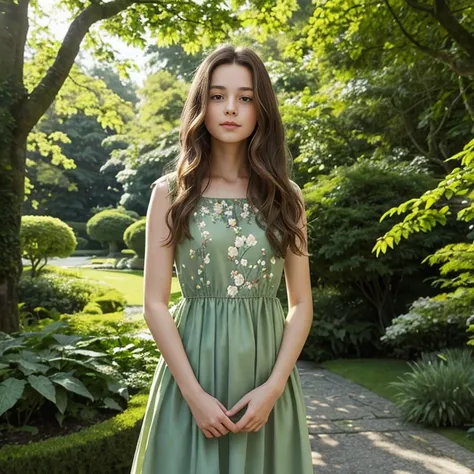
column 13, row 28
column 12, row 165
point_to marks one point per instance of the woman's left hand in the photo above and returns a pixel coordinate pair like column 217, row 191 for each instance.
column 260, row 402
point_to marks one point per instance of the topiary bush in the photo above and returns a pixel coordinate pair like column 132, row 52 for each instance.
column 109, row 226
column 43, row 237
column 134, row 238
column 439, row 390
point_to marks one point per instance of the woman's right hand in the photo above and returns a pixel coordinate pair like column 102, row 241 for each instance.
column 210, row 416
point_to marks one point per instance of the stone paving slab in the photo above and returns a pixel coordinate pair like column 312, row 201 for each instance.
column 355, row 431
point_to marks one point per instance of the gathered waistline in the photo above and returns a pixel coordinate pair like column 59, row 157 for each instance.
column 230, row 297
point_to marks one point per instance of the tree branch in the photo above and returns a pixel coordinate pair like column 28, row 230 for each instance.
column 449, row 22
column 43, row 95
column 458, row 65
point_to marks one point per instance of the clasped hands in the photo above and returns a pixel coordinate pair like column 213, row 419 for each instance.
column 213, row 418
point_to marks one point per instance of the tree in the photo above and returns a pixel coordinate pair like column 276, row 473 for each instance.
column 195, row 25
column 343, row 211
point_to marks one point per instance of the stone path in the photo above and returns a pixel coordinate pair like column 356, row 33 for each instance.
column 355, row 431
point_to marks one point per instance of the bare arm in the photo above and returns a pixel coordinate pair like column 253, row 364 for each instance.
column 157, row 287
column 300, row 313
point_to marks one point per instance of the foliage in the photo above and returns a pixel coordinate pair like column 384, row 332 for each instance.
column 434, row 205
column 109, row 226
column 439, row 392
column 134, row 237
column 67, row 293
column 141, row 166
column 342, row 211
column 343, row 326
column 43, row 237
column 112, row 441
column 78, row 375
column 431, row 324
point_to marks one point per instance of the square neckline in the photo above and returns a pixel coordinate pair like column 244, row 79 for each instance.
column 224, row 198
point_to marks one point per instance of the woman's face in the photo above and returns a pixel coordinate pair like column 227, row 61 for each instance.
column 231, row 99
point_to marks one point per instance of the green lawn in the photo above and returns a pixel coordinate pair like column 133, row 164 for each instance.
column 375, row 374
column 129, row 282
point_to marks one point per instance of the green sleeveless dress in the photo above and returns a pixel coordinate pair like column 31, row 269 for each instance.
column 231, row 324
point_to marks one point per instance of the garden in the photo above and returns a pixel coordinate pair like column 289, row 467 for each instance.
column 380, row 131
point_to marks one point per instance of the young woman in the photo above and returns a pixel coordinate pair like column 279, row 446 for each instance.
column 226, row 397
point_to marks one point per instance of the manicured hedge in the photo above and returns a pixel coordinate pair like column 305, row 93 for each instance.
column 106, row 447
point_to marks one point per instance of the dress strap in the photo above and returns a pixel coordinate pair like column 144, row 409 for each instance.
column 171, row 181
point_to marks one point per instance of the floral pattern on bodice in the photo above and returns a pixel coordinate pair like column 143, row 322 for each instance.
column 230, row 254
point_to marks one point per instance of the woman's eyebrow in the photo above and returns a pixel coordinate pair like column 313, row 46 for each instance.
column 224, row 88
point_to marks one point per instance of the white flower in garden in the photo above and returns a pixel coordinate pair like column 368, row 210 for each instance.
column 232, row 290
column 239, row 279
column 239, row 241
column 251, row 241
column 232, row 252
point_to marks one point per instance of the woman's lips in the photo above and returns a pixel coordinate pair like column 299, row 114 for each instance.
column 230, row 127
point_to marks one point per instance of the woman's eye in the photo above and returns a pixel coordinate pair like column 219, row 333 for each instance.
column 249, row 99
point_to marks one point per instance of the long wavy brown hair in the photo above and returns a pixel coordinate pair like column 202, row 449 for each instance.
column 270, row 189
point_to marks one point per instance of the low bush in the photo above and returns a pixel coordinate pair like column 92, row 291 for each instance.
column 102, row 355
column 76, row 368
column 431, row 324
column 343, row 326
column 439, row 391
column 66, row 292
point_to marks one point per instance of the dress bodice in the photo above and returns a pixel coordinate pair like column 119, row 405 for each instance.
column 229, row 255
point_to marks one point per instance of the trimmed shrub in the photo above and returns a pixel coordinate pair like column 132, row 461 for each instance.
column 43, row 237
column 134, row 237
column 109, row 226
column 439, row 390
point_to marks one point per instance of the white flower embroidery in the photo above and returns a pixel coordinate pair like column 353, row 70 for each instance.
column 207, row 259
column 202, row 224
column 273, row 261
column 239, row 279
column 232, row 290
column 251, row 240
column 233, row 252
column 232, row 222
column 243, row 262
column 239, row 241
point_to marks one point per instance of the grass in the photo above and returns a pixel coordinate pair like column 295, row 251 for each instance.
column 375, row 374
column 129, row 282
